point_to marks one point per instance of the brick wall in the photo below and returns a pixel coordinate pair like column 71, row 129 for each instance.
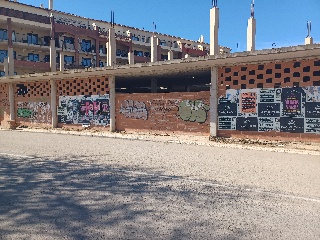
column 4, row 103
column 165, row 112
column 83, row 102
column 279, row 100
column 33, row 104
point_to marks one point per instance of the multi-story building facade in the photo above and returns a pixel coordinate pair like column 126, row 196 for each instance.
column 37, row 39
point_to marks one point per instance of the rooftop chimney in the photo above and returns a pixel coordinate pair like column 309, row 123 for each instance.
column 251, row 30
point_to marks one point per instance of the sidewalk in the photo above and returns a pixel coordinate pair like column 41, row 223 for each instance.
column 262, row 145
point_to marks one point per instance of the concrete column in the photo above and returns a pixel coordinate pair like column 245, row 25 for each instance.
column 11, row 101
column 50, row 4
column 154, row 48
column 131, row 57
column 53, row 56
column 251, row 34
column 154, row 85
column 170, row 55
column 53, row 94
column 214, row 102
column 6, row 67
column 112, row 103
column 61, row 61
column 308, row 40
column 97, row 52
column 10, row 62
column 76, row 48
column 214, row 31
column 9, row 31
column 111, row 46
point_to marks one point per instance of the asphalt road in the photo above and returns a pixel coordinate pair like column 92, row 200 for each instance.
column 57, row 186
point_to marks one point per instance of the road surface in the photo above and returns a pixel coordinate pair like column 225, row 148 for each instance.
column 58, row 186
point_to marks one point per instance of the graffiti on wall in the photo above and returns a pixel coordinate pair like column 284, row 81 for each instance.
column 35, row 112
column 186, row 110
column 193, row 111
column 134, row 109
column 294, row 110
column 92, row 110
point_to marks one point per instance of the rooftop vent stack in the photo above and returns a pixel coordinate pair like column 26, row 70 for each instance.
column 251, row 30
column 50, row 4
column 214, row 28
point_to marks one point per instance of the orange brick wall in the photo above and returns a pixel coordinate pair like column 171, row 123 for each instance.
column 33, row 104
column 82, row 89
column 299, row 79
column 165, row 112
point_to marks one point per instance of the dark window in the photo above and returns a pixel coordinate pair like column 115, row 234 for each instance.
column 316, row 83
column 164, row 57
column 260, row 76
column 253, row 72
column 277, row 75
column 86, row 62
column 46, row 58
column 68, row 59
column 138, row 53
column 243, row 68
column 306, row 69
column 243, row 86
column 260, row 67
column 306, row 79
column 46, row 41
column 235, row 82
column 278, row 66
column 269, row 80
column 296, row 74
column 244, row 77
column 287, row 70
column 3, row 34
column 146, row 54
column 287, row 79
column 296, row 84
column 269, row 71
column 260, row 85
column 134, row 38
column 101, row 64
column 227, row 70
column 316, row 73
column 277, row 85
column 33, row 57
column 317, row 63
column 102, row 49
column 251, row 81
column 235, row 74
column 85, row 45
column 296, row 64
column 228, row 79
column 2, row 73
column 3, row 55
column 32, row 38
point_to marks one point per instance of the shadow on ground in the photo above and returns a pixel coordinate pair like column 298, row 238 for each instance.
column 75, row 199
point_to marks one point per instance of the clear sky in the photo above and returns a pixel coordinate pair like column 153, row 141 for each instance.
column 283, row 22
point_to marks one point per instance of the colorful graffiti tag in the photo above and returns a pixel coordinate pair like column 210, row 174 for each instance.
column 294, row 110
column 35, row 112
column 92, row 110
column 193, row 111
column 134, row 109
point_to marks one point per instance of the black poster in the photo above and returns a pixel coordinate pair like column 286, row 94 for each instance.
column 292, row 125
column 247, row 124
column 312, row 109
column 268, row 109
column 227, row 109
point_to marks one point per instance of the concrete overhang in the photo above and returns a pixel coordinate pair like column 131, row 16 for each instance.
column 178, row 65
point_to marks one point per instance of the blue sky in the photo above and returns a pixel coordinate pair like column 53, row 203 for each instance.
column 282, row 22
